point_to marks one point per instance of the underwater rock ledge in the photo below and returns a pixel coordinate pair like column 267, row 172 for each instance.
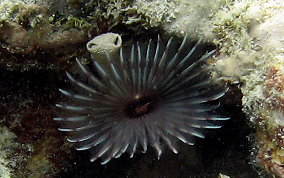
column 40, row 39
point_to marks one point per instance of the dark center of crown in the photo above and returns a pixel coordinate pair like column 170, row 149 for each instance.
column 140, row 105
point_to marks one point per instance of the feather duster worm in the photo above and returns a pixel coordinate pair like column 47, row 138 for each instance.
column 151, row 97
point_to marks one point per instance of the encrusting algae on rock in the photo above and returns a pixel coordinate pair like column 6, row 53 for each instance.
column 251, row 42
column 7, row 142
column 27, row 32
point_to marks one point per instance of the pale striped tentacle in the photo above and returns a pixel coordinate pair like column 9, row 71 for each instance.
column 146, row 97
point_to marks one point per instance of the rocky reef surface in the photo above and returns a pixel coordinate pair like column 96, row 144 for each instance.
column 254, row 59
column 40, row 39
